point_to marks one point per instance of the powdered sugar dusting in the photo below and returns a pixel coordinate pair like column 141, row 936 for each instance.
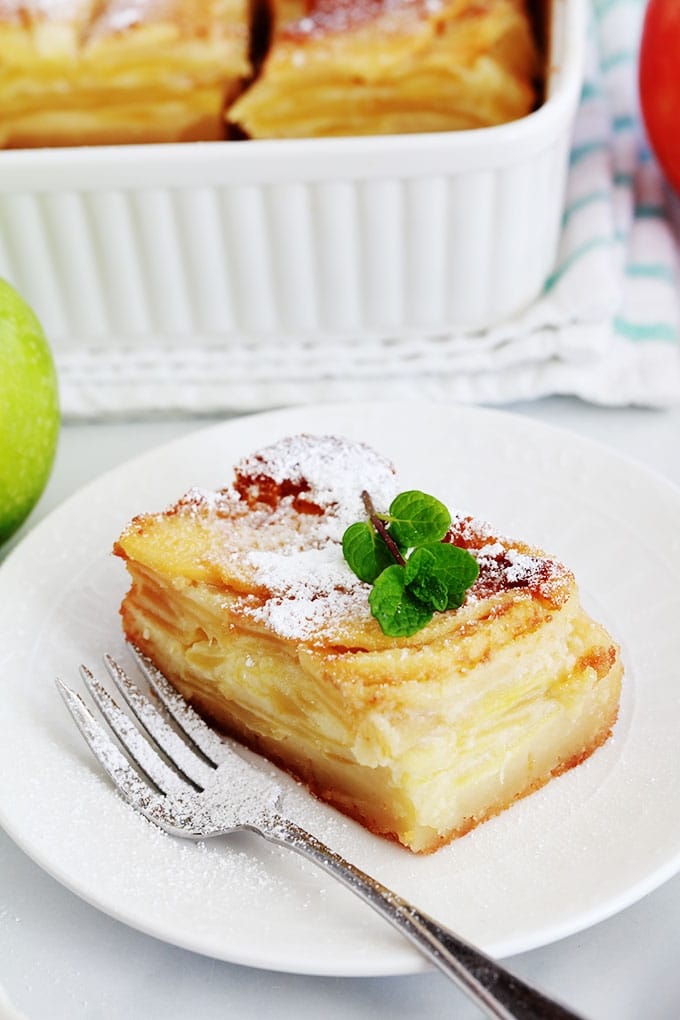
column 235, row 794
column 324, row 16
column 309, row 590
column 309, row 583
column 505, row 565
column 214, row 500
column 326, row 472
column 510, row 567
column 239, row 795
column 283, row 523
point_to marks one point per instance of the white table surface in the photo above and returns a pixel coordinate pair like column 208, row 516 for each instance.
column 61, row 959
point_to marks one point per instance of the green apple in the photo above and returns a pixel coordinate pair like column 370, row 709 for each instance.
column 29, row 410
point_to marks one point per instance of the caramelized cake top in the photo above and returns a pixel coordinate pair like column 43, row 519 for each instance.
column 322, row 474
column 106, row 17
column 337, row 17
column 273, row 542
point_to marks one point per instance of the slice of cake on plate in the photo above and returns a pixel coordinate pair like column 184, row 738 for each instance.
column 244, row 599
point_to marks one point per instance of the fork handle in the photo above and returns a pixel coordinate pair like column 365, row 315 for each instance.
column 494, row 989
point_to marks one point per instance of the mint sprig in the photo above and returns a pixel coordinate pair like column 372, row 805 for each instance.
column 414, row 574
column 397, row 610
column 365, row 551
column 416, row 518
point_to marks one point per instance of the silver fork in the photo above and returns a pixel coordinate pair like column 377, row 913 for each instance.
column 202, row 787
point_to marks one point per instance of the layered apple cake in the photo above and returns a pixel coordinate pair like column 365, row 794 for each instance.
column 94, row 72
column 244, row 599
column 375, row 67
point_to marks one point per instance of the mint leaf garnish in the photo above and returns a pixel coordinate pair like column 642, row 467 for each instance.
column 413, row 572
column 440, row 574
column 398, row 612
column 416, row 518
column 365, row 551
column 423, row 580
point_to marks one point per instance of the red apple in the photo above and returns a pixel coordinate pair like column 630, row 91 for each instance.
column 660, row 84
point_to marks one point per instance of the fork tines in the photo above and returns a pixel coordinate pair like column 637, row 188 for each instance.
column 208, row 742
column 174, row 762
column 125, row 778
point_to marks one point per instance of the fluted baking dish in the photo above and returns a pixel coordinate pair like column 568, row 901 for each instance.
column 234, row 243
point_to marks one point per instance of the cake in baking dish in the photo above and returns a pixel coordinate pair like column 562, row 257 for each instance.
column 79, row 72
column 374, row 67
column 243, row 598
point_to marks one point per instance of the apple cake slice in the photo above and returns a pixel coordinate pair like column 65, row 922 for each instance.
column 375, row 67
column 244, row 599
column 104, row 72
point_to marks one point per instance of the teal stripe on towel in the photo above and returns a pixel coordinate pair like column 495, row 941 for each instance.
column 578, row 253
column 641, row 331
column 581, row 152
column 616, row 59
column 650, row 211
column 601, row 195
column 603, row 7
column 590, row 90
column 652, row 271
column 624, row 122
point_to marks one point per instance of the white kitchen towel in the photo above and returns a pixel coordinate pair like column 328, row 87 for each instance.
column 606, row 327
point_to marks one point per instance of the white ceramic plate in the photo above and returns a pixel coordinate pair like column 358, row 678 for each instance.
column 585, row 846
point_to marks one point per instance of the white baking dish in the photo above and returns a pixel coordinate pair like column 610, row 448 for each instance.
column 226, row 243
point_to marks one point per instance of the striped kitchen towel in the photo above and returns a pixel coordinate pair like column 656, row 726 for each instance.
column 613, row 297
